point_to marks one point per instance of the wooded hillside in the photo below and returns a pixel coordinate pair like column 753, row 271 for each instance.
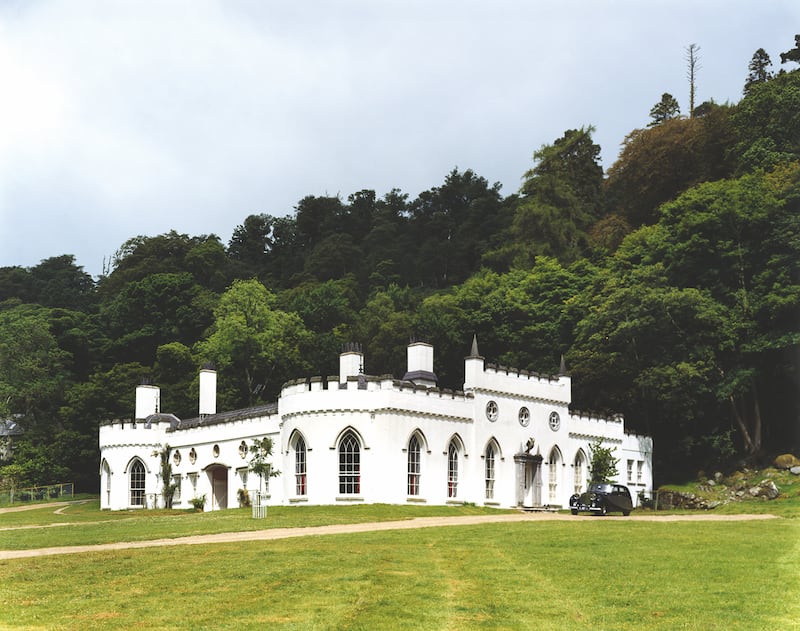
column 670, row 284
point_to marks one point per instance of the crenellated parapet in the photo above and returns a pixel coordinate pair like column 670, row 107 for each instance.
column 498, row 379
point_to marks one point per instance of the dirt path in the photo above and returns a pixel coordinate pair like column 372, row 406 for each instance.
column 60, row 505
column 419, row 522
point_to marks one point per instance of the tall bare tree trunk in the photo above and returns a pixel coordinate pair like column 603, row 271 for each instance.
column 693, row 61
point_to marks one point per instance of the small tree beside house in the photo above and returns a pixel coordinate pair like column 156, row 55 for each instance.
column 168, row 486
column 602, row 463
column 259, row 464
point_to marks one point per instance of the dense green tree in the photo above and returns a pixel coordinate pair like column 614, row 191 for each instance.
column 758, row 70
column 54, row 282
column 33, row 369
column 694, row 330
column 389, row 246
column 522, row 318
column 451, row 225
column 646, row 349
column 767, row 123
column 741, row 240
column 327, row 310
column 175, row 371
column 666, row 109
column 82, row 336
column 335, row 256
column 602, row 463
column 155, row 310
column 659, row 163
column 255, row 346
column 792, row 54
column 384, row 326
column 107, row 395
column 561, row 197
column 142, row 256
column 59, row 282
column 317, row 218
column 250, row 245
column 16, row 283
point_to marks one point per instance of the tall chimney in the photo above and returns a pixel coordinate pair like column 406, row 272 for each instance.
column 420, row 365
column 351, row 361
column 208, row 390
column 148, row 401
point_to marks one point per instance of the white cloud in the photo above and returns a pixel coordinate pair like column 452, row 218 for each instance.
column 128, row 118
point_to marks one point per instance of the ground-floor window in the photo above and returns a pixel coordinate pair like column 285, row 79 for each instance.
column 413, row 466
column 489, row 466
column 349, row 465
column 176, row 496
column 137, row 483
column 452, row 470
column 555, row 462
column 300, row 479
column 580, row 471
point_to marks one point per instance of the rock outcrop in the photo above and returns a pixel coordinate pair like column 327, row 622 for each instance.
column 786, row 461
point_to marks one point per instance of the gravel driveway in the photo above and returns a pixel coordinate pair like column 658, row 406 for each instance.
column 406, row 524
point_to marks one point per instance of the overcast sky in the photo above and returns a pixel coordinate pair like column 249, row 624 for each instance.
column 126, row 118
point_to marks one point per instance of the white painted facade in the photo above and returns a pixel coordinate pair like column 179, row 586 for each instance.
column 508, row 439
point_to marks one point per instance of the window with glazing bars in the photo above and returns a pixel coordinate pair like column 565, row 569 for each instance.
column 137, row 483
column 300, row 466
column 349, row 465
column 452, row 471
column 489, row 462
column 413, row 466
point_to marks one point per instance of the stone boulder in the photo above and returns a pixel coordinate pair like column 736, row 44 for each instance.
column 786, row 461
column 795, row 470
column 766, row 490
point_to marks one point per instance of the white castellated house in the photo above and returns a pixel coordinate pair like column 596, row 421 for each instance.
column 508, row 439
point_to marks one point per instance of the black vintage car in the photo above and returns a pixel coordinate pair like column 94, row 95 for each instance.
column 602, row 498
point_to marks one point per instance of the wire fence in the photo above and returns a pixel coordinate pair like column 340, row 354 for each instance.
column 37, row 493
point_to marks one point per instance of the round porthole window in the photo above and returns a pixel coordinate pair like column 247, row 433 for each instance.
column 176, row 457
column 492, row 411
column 524, row 417
column 554, row 421
column 243, row 449
column 215, row 451
column 192, row 456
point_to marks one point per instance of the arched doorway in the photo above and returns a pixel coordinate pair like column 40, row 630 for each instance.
column 529, row 479
column 218, row 480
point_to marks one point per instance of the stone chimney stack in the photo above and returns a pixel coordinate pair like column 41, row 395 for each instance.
column 351, row 361
column 148, row 400
column 208, row 390
column 420, row 365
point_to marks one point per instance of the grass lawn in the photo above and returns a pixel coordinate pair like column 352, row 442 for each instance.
column 584, row 573
column 86, row 524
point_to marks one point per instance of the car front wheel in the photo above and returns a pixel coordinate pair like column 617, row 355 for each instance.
column 574, row 511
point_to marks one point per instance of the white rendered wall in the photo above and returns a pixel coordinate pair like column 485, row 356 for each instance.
column 383, row 413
